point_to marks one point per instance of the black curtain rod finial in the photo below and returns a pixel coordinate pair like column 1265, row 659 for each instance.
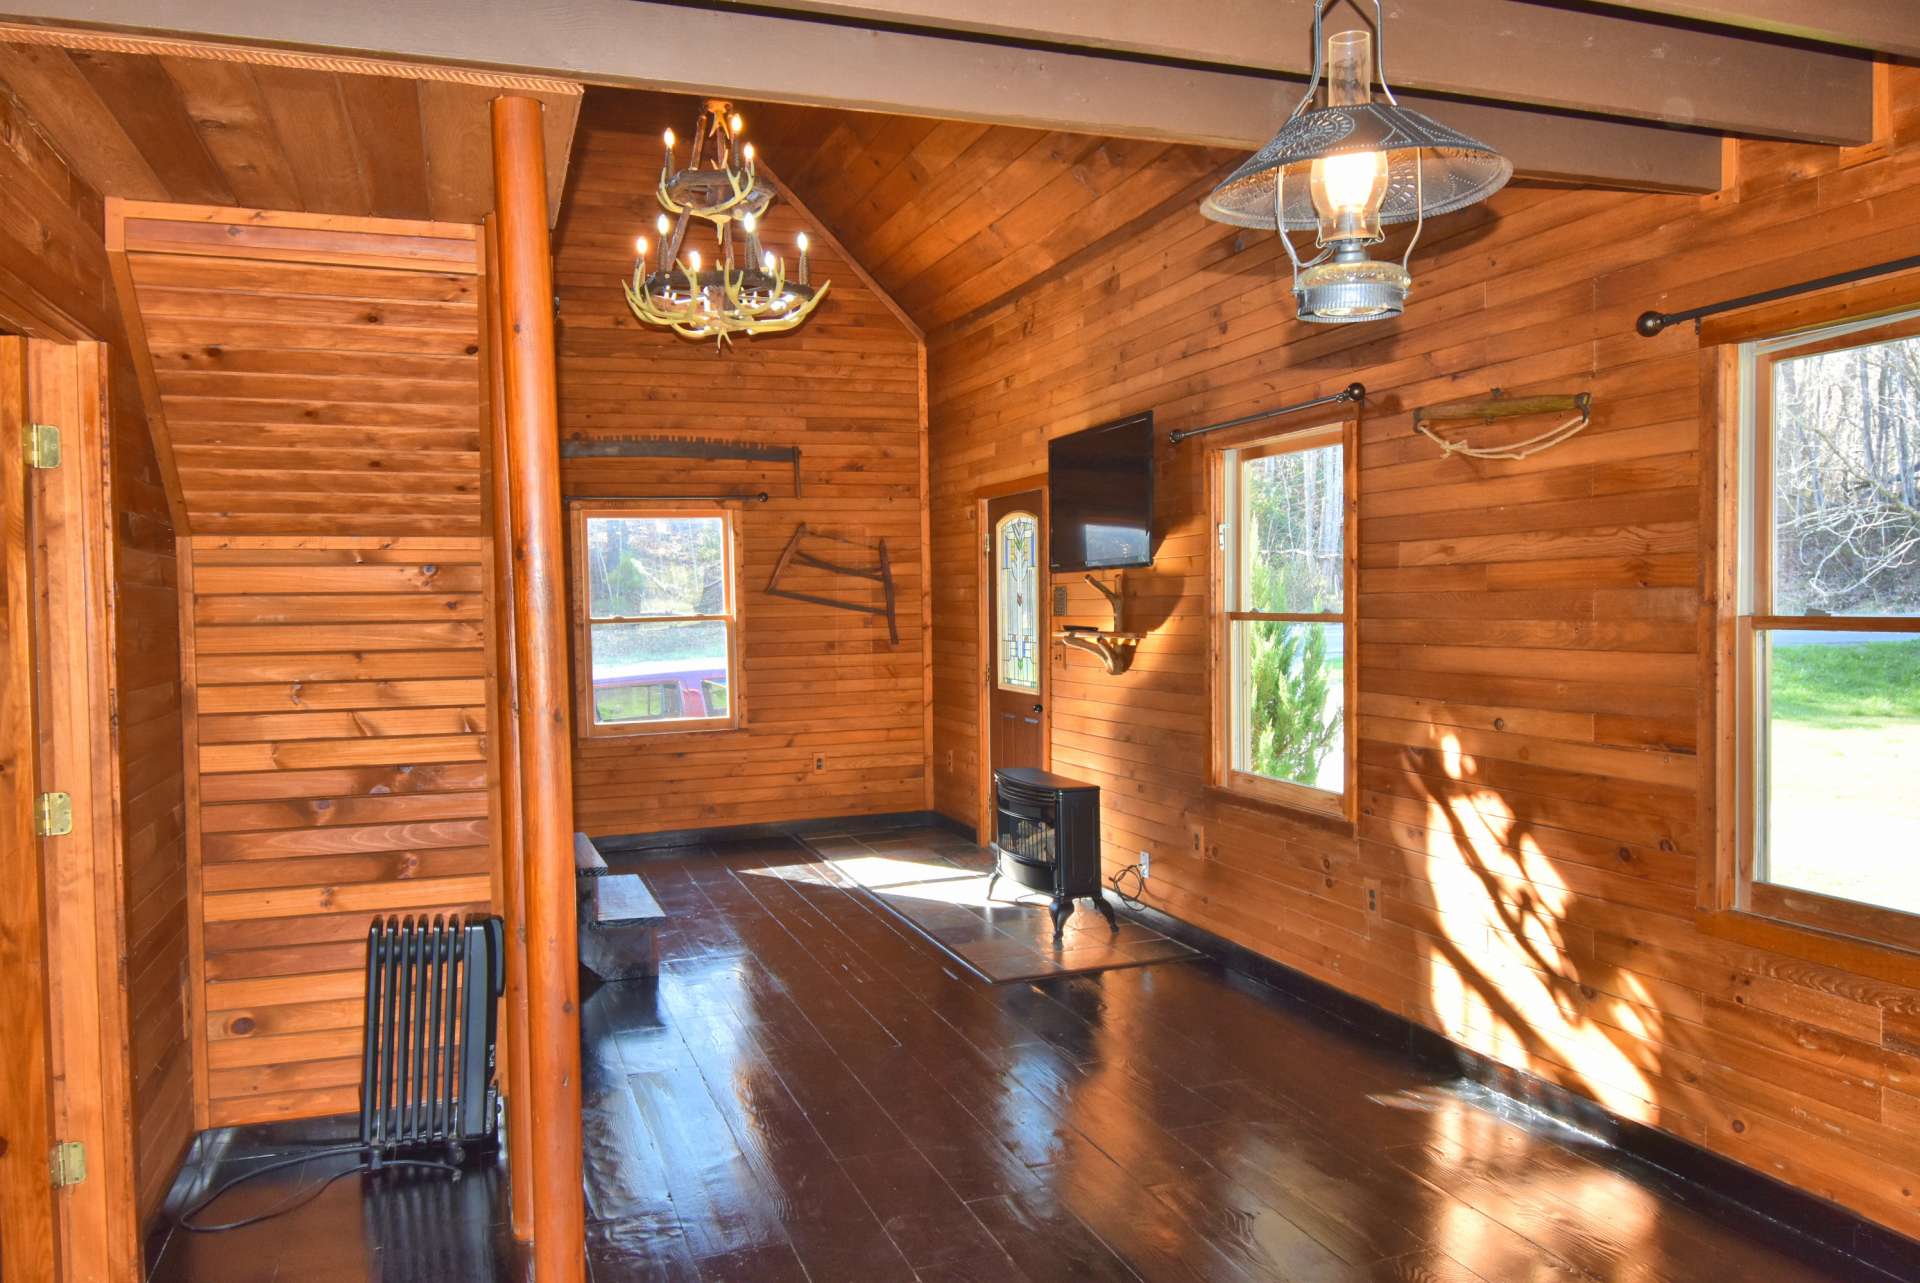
column 1651, row 323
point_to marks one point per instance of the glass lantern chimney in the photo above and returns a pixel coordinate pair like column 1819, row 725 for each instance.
column 1348, row 189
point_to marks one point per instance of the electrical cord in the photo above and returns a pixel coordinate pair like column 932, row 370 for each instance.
column 1134, row 901
column 301, row 1197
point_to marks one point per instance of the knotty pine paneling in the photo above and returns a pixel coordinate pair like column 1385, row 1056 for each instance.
column 221, row 125
column 148, row 706
column 337, row 751
column 1529, row 665
column 846, row 389
column 317, row 375
column 950, row 215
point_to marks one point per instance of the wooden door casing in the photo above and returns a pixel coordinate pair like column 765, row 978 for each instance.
column 26, row 1121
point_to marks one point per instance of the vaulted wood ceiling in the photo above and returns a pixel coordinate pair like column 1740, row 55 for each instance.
column 213, row 125
column 945, row 216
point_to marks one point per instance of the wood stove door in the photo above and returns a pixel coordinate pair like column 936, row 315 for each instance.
column 1016, row 623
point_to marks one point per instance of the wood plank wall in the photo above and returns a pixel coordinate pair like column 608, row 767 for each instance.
column 147, row 703
column 845, row 388
column 320, row 383
column 55, row 283
column 338, row 745
column 316, row 374
column 1529, row 668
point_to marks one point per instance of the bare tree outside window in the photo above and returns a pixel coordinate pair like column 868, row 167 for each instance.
column 1846, row 481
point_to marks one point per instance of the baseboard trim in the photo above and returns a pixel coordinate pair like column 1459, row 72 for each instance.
column 671, row 841
column 1788, row 1218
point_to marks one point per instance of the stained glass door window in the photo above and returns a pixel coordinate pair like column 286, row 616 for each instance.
column 1016, row 562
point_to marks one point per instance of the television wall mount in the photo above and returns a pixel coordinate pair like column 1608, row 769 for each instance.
column 880, row 572
column 1114, row 647
column 624, row 447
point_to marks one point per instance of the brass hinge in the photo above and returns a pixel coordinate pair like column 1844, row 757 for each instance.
column 1223, row 536
column 68, row 1165
column 43, row 445
column 53, row 815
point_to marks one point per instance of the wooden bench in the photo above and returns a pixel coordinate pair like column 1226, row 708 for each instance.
column 619, row 918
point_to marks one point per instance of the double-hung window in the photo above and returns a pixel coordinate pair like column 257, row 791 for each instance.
column 1284, row 639
column 657, row 619
column 1826, row 631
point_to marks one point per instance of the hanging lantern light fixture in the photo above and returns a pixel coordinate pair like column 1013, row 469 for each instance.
column 1346, row 171
column 746, row 290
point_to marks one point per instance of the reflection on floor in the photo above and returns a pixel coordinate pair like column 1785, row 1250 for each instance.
column 811, row 1093
column 398, row 1227
column 941, row 886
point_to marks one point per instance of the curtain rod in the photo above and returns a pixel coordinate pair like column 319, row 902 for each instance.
column 1352, row 392
column 1651, row 323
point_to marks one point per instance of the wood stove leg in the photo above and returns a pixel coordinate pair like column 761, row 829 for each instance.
column 1100, row 903
column 1060, row 908
column 992, row 878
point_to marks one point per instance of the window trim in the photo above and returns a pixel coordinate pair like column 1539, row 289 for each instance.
column 734, row 618
column 1222, row 559
column 1734, row 903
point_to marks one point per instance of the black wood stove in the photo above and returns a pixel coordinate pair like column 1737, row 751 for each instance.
column 1047, row 838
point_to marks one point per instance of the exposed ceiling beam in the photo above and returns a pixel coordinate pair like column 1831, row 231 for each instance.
column 757, row 57
column 1879, row 26
column 1604, row 63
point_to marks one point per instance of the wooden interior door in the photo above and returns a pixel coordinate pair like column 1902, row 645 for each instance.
column 1016, row 630
column 27, row 1207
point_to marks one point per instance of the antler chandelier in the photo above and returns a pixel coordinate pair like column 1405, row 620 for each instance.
column 746, row 289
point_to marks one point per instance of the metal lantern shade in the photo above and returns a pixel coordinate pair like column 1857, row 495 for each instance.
column 1349, row 168
column 1431, row 169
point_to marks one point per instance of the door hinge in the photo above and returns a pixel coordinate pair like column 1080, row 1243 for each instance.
column 1222, row 532
column 43, row 445
column 53, row 815
column 68, row 1165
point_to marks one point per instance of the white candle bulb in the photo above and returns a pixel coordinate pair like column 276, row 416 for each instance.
column 734, row 123
column 693, row 259
column 669, row 139
column 766, row 260
column 803, row 242
column 661, row 223
column 750, row 223
column 747, row 151
column 640, row 246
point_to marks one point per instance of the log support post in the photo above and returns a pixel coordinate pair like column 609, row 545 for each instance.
column 506, row 752
column 543, row 715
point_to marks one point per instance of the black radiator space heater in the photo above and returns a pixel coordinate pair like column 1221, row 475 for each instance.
column 427, row 1069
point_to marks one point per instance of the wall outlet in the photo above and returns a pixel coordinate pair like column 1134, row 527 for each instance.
column 1146, row 865
column 819, row 761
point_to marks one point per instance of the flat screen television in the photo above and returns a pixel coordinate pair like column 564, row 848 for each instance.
column 1100, row 496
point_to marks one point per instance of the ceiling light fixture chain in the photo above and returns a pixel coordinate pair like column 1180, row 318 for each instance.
column 747, row 289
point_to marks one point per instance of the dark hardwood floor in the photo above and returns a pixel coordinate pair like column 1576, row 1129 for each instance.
column 811, row 1093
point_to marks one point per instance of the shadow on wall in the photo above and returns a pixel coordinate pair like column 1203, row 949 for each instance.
column 1508, row 974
